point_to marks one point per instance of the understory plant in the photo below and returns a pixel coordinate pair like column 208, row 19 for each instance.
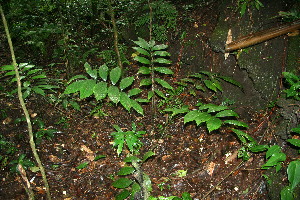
column 34, row 79
column 103, row 83
column 293, row 83
column 135, row 184
column 160, row 16
column 242, row 5
column 207, row 80
column 153, row 57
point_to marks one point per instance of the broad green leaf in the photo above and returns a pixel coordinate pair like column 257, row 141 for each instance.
column 39, row 76
column 148, row 155
column 295, row 142
column 33, row 71
column 213, row 124
column 86, row 88
column 202, row 117
column 145, row 82
column 236, row 123
column 244, row 137
column 186, row 196
column 142, row 60
column 142, row 100
column 151, row 44
column 117, row 128
column 163, row 83
column 159, row 47
column 259, row 148
column 25, row 66
column 134, row 92
column 47, row 87
column 191, row 116
column 212, row 107
column 7, row 68
column 142, row 43
column 73, row 87
column 90, row 71
column 230, row 80
column 187, row 80
column 99, row 157
column 163, row 70
column 122, row 183
column 150, row 95
column 75, row 105
column 287, row 193
column 144, row 70
column 274, row 160
column 123, row 195
column 274, row 156
column 119, row 141
column 161, row 53
column 103, row 72
column 243, row 8
column 26, row 93
column 134, row 189
column 10, row 73
column 207, row 73
column 162, row 61
column 38, row 91
column 296, row 130
column 100, row 90
column 293, row 172
column 82, row 165
column 273, row 150
column 227, row 113
column 125, row 101
column 114, row 94
column 160, row 94
column 126, row 82
column 210, row 85
column 126, row 170
column 176, row 111
column 115, row 75
column 142, row 51
column 26, row 84
column 132, row 141
column 130, row 159
column 197, row 75
column 137, row 107
column 76, row 77
column 217, row 84
column 240, row 134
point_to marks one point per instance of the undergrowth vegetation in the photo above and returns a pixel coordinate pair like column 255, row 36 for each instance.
column 93, row 76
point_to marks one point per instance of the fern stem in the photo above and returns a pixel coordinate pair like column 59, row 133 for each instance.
column 29, row 125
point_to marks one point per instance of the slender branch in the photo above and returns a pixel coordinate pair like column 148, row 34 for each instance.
column 150, row 20
column 115, row 30
column 20, row 96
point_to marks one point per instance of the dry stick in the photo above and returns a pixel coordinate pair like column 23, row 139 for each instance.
column 26, row 182
column 262, row 36
column 212, row 189
column 115, row 30
column 30, row 133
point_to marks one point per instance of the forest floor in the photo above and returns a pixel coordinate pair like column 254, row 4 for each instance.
column 210, row 159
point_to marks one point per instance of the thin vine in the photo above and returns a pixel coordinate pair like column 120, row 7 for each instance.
column 24, row 108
